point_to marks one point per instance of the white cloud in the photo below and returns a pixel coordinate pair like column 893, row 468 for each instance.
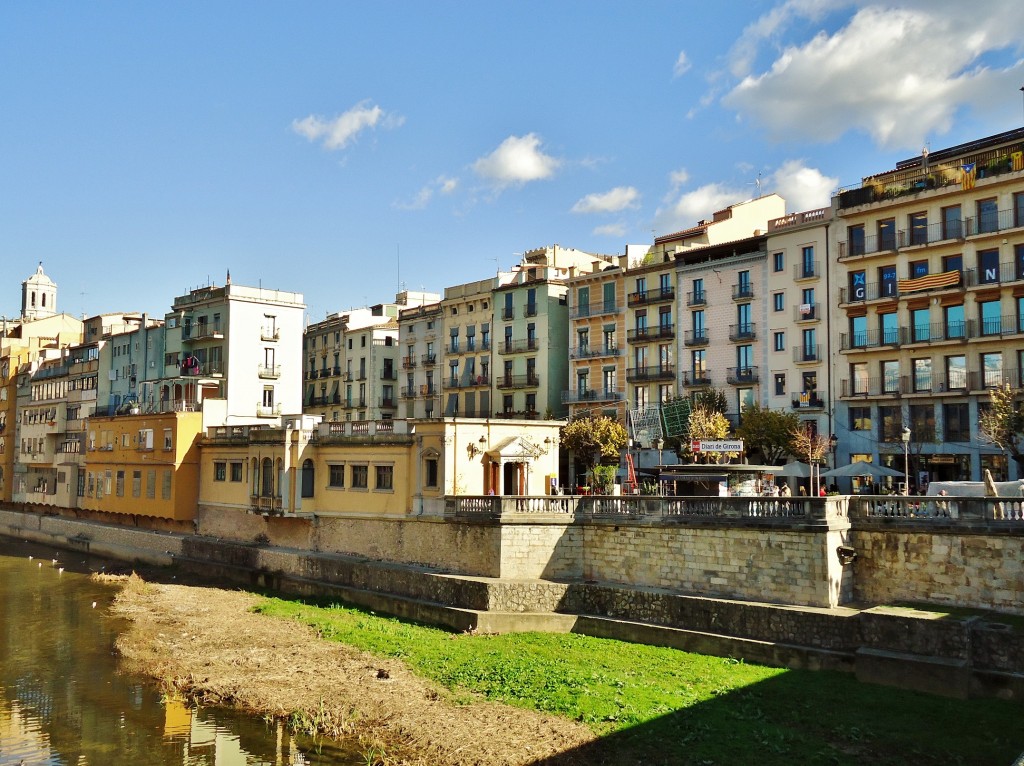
column 687, row 209
column 611, row 230
column 340, row 131
column 682, row 65
column 678, row 177
column 619, row 198
column 440, row 185
column 516, row 161
column 802, row 187
column 898, row 74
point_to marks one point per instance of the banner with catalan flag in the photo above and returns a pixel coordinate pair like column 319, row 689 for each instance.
column 1017, row 158
column 968, row 175
column 930, row 282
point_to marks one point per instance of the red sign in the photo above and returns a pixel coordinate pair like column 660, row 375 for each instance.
column 695, row 445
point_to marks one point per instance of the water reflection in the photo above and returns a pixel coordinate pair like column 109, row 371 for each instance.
column 62, row 702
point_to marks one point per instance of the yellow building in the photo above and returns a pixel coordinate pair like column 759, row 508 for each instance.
column 383, row 468
column 143, row 464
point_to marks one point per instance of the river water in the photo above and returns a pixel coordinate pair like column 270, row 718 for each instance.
column 64, row 703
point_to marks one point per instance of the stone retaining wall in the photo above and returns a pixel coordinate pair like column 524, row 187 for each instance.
column 979, row 566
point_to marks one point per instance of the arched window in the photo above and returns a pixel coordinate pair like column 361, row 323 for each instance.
column 267, row 478
column 307, row 478
column 255, row 476
column 44, row 300
column 280, row 477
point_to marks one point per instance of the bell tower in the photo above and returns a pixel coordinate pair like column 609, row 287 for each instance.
column 38, row 296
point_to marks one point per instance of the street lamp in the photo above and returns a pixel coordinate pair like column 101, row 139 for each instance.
column 906, row 460
column 833, row 440
column 659, row 444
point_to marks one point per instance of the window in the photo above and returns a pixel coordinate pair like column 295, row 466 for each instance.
column 855, row 240
column 922, row 422
column 858, row 332
column 956, row 422
column 888, row 326
column 956, row 372
column 778, row 262
column 384, row 477
column 151, row 484
column 890, row 424
column 922, row 374
column 918, row 223
column 778, row 301
column 779, row 339
column 168, row 439
column 807, row 268
column 858, row 286
column 431, row 471
column 119, row 484
column 992, row 369
column 990, row 314
column 136, row 484
column 236, row 471
column 887, row 234
column 953, row 321
column 336, row 476
column 220, row 471
column 780, row 384
column 308, row 479
column 952, row 227
column 988, row 267
column 698, row 291
column 920, row 322
column 860, row 418
column 890, row 370
column 166, row 485
column 360, row 475
column 988, row 216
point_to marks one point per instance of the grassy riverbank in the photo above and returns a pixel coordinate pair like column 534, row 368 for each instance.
column 653, row 705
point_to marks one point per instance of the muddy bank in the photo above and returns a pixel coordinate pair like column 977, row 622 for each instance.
column 205, row 642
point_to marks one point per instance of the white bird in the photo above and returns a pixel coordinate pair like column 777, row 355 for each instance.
column 93, row 604
column 29, row 558
column 40, row 564
column 60, row 571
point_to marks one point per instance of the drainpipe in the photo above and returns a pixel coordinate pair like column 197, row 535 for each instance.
column 828, row 332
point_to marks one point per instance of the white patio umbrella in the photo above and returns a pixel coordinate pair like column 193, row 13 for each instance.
column 796, row 470
column 862, row 469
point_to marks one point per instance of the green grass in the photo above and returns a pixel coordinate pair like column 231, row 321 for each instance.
column 659, row 705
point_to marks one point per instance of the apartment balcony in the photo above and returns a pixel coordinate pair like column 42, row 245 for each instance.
column 743, row 332
column 591, row 352
column 695, row 338
column 869, row 244
column 409, row 392
column 335, row 399
column 348, row 377
column 265, row 504
column 1007, row 271
column 591, row 395
column 428, row 360
column 653, row 372
column 508, row 312
column 201, row 333
column 984, row 380
column 808, row 401
column 645, row 297
column 697, row 298
column 268, row 410
column 518, row 346
column 518, row 381
column 318, row 401
column 270, row 335
column 741, row 375
column 391, row 374
column 600, row 308
column 517, row 415
column 427, row 392
column 408, row 362
column 807, row 354
column 871, row 339
column 387, row 403
column 269, row 371
column 742, row 291
column 884, row 386
column 806, row 312
column 808, row 270
column 530, row 310
column 467, row 381
column 648, row 334
column 696, row 378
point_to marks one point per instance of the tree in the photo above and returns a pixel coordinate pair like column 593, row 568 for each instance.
column 713, row 399
column 707, row 423
column 812, row 446
column 770, row 431
column 1003, row 422
column 592, row 438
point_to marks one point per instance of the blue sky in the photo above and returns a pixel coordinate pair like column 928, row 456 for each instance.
column 344, row 149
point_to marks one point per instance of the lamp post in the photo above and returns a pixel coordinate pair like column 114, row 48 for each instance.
column 659, row 443
column 906, row 460
column 833, row 440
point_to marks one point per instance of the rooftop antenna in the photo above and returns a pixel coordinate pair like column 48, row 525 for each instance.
column 1022, row 89
column 757, row 183
column 398, row 265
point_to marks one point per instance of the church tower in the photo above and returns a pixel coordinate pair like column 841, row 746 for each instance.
column 38, row 296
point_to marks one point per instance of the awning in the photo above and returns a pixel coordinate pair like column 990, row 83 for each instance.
column 709, row 477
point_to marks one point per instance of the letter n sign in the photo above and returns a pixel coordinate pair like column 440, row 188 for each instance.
column 988, row 266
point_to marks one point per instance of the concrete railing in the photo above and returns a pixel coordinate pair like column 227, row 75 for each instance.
column 938, row 508
column 647, row 507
